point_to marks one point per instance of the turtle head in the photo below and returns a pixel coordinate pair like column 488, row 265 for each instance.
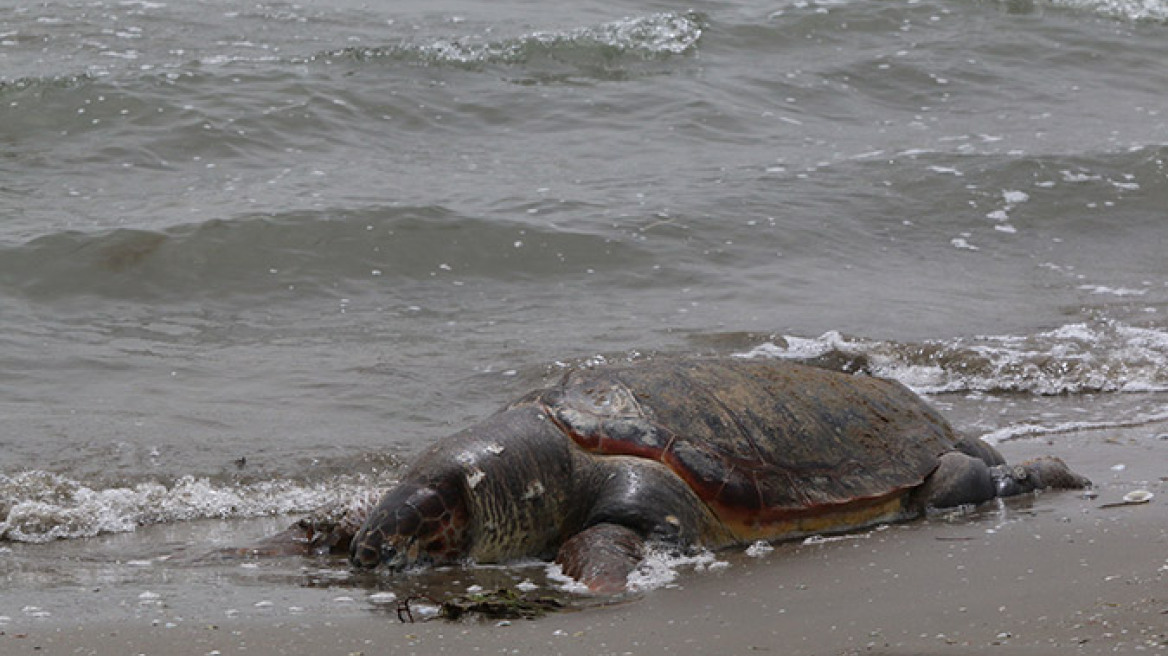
column 414, row 524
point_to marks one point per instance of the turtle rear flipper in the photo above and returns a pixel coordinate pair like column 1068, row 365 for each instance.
column 601, row 557
column 959, row 480
column 962, row 479
column 1037, row 474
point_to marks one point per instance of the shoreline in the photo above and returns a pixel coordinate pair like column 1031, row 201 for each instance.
column 1054, row 573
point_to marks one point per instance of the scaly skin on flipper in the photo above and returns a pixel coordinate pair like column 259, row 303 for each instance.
column 699, row 453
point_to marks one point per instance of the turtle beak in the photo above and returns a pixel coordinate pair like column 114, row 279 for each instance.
column 370, row 553
column 399, row 533
column 386, row 536
column 365, row 555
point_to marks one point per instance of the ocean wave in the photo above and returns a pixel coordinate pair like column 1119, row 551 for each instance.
column 38, row 506
column 1033, row 429
column 610, row 50
column 1102, row 356
column 299, row 253
column 604, row 46
column 66, row 81
column 1134, row 10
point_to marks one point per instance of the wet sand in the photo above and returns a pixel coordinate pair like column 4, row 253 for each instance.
column 1054, row 574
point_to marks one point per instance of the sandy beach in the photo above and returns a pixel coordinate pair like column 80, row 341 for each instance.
column 1052, row 574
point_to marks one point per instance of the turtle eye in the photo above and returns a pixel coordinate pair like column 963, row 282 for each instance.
column 389, row 556
column 398, row 554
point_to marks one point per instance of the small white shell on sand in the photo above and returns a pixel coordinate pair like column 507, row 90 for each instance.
column 1138, row 496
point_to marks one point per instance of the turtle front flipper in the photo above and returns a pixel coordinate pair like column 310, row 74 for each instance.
column 637, row 502
column 601, row 557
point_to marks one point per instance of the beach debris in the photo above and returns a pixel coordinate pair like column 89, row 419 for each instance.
column 405, row 612
column 1138, row 496
column 502, row 604
column 1133, row 498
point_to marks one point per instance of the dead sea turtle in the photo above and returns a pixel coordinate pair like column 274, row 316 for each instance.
column 702, row 453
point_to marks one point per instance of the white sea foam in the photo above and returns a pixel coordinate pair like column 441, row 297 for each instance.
column 1137, row 10
column 1113, row 291
column 660, row 569
column 38, row 506
column 825, row 539
column 759, row 548
column 653, row 36
column 795, row 347
column 1036, row 430
column 1082, row 357
column 556, row 575
column 1015, row 197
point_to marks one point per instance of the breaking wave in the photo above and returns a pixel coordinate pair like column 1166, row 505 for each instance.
column 1103, row 356
column 1135, row 10
column 650, row 37
column 38, row 506
column 602, row 50
column 298, row 252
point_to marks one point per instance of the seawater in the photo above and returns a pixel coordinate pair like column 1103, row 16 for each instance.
column 254, row 256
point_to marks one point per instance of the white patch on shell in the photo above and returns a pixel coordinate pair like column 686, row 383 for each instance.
column 494, row 448
column 534, row 489
column 465, row 458
column 475, row 477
